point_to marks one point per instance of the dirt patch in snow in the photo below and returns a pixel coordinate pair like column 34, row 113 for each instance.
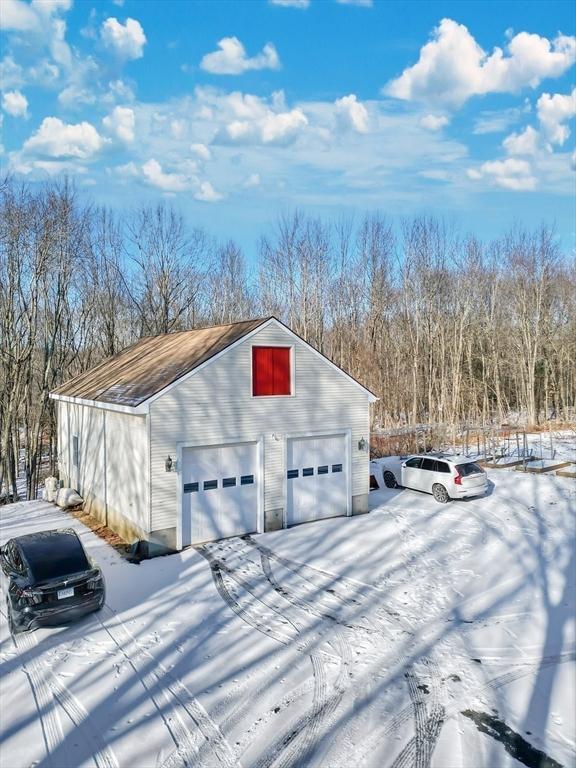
column 97, row 526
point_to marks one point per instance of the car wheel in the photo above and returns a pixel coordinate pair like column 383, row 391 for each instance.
column 440, row 493
column 390, row 480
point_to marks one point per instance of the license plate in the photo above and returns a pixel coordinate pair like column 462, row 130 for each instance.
column 62, row 593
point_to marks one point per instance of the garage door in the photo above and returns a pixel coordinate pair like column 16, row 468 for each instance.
column 316, row 478
column 219, row 492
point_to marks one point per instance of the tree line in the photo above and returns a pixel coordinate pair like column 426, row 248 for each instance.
column 443, row 327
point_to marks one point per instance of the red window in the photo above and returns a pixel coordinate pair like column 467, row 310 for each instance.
column 271, row 371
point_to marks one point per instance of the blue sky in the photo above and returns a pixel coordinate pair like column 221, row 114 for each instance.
column 239, row 111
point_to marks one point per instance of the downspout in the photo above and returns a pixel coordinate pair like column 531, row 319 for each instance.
column 105, row 470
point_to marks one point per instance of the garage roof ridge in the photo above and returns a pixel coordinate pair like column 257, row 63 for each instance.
column 146, row 369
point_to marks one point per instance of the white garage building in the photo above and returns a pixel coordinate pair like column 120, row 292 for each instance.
column 198, row 435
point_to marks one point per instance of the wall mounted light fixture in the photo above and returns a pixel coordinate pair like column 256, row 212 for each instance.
column 362, row 445
column 169, row 464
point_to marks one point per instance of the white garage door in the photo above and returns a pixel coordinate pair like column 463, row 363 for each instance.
column 219, row 492
column 316, row 478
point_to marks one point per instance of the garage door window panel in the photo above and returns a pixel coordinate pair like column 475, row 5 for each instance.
column 271, row 371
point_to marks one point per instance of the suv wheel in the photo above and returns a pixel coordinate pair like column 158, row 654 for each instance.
column 440, row 493
column 390, row 480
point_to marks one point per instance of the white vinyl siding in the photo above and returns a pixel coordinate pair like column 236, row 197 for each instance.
column 127, row 465
column 216, row 406
column 113, row 459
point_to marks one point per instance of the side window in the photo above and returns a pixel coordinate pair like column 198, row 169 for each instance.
column 414, row 463
column 428, row 464
column 441, row 466
column 75, row 451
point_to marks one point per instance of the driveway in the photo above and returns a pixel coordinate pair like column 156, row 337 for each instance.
column 418, row 635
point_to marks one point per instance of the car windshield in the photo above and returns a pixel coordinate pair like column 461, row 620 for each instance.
column 469, row 469
column 53, row 554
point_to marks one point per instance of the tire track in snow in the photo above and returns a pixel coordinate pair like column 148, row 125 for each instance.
column 427, row 721
column 49, row 689
column 185, row 746
column 323, row 708
column 182, row 704
column 291, row 748
column 50, row 722
column 339, row 589
column 101, row 752
column 314, row 578
column 453, row 709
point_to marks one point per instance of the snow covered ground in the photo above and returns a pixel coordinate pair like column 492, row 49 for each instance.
column 418, row 635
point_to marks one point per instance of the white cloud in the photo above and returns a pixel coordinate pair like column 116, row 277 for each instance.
column 121, row 123
column 48, row 7
column 178, row 129
column 168, row 182
column 281, row 128
column 452, row 67
column 359, row 3
column 17, row 16
column 352, row 113
column 553, row 112
column 76, row 94
column 247, row 119
column 39, row 169
column 201, row 150
column 231, row 59
column 60, row 140
column 302, row 4
column 498, row 121
column 118, row 90
column 252, row 181
column 128, row 170
column 525, row 143
column 207, row 193
column 15, row 103
column 126, row 40
column 511, row 174
column 39, row 20
column 12, row 75
column 434, row 122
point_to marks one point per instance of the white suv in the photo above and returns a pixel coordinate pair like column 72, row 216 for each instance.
column 444, row 476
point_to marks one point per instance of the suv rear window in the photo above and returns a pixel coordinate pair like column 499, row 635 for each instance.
column 53, row 554
column 428, row 464
column 471, row 468
column 441, row 466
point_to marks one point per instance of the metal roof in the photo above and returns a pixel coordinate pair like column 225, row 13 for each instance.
column 151, row 364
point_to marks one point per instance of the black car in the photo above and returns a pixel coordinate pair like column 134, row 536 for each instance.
column 51, row 579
